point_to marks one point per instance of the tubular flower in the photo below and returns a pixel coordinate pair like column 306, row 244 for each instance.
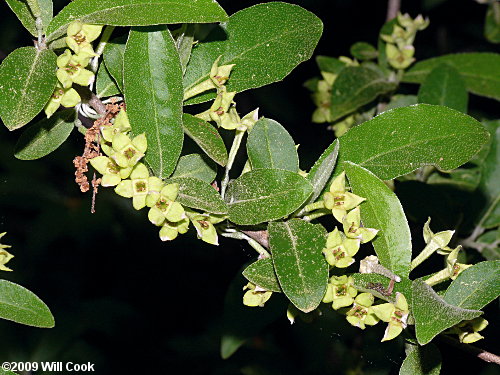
column 395, row 314
column 340, row 250
column 361, row 313
column 353, row 228
column 339, row 200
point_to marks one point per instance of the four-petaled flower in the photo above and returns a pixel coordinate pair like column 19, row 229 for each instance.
column 66, row 97
column 128, row 152
column 79, row 37
column 396, row 314
column 340, row 250
column 139, row 186
column 169, row 230
column 339, row 200
column 353, row 228
column 205, row 228
column 340, row 291
column 361, row 313
column 5, row 256
column 111, row 172
column 164, row 207
column 72, row 69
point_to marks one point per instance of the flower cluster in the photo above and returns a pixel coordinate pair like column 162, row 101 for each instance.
column 5, row 256
column 341, row 293
column 341, row 247
column 71, row 66
column 121, row 167
column 399, row 48
column 223, row 109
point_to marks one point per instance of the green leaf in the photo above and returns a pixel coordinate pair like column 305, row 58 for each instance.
column 444, row 86
column 329, row 64
column 4, row 372
column 363, row 51
column 135, row 13
column 24, row 14
column 321, row 171
column 105, row 84
column 269, row 145
column 113, row 58
column 266, row 42
column 196, row 166
column 356, row 86
column 401, row 140
column 22, row 98
column 475, row 287
column 153, row 93
column 421, row 360
column 382, row 210
column 478, row 70
column 262, row 273
column 207, row 137
column 265, row 194
column 200, row 195
column 20, row 305
column 301, row 269
column 490, row 175
column 184, row 42
column 433, row 314
column 492, row 23
column 45, row 136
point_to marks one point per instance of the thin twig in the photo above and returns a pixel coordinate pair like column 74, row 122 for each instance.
column 478, row 352
column 392, row 9
column 97, row 104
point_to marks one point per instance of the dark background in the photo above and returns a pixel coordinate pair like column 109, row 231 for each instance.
column 129, row 303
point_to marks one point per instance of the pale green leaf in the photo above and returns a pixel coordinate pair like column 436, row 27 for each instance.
column 399, row 141
column 479, row 71
column 105, row 84
column 25, row 15
column 262, row 273
column 433, row 314
column 269, row 145
column 153, row 93
column 45, row 136
column 196, row 166
column 265, row 194
column 20, row 305
column 135, row 13
column 265, row 41
column 199, row 194
column 301, row 269
column 383, row 211
column 475, row 287
column 322, row 169
column 27, row 80
column 207, row 137
column 492, row 23
column 421, row 360
column 113, row 58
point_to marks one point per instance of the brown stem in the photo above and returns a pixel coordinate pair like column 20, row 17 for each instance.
column 261, row 236
column 392, row 9
column 97, row 104
column 479, row 353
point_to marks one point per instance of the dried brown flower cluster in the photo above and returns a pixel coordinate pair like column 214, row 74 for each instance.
column 92, row 149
